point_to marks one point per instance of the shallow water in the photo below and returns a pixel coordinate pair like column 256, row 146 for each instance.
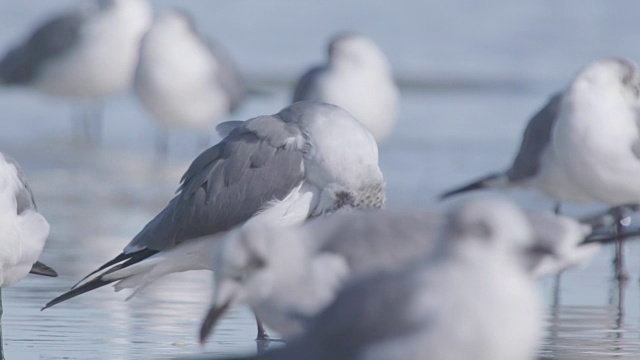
column 471, row 76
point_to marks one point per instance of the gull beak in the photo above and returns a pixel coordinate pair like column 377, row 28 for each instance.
column 225, row 296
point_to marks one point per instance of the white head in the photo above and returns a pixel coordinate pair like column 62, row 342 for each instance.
column 355, row 50
column 558, row 244
column 341, row 155
column 490, row 224
column 174, row 21
column 614, row 76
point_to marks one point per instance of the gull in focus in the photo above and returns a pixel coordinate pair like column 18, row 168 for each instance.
column 469, row 298
column 302, row 268
column 183, row 79
column 596, row 137
column 357, row 77
column 85, row 53
column 536, row 164
column 24, row 231
column 310, row 158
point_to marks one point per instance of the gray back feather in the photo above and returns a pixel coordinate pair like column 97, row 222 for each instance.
column 52, row 39
column 363, row 314
column 224, row 128
column 307, row 84
column 378, row 240
column 536, row 137
column 227, row 184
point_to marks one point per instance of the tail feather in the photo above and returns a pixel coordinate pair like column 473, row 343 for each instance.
column 490, row 181
column 100, row 281
column 88, row 286
column 135, row 256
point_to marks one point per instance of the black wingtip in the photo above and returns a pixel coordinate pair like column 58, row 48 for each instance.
column 483, row 183
column 41, row 269
column 117, row 259
column 91, row 285
column 132, row 258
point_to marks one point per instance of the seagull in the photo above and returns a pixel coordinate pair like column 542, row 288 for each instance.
column 183, row 79
column 86, row 53
column 303, row 267
column 596, row 136
column 536, row 164
column 24, row 230
column 357, row 77
column 470, row 298
column 307, row 160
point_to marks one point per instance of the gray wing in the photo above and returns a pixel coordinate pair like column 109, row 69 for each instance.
column 227, row 184
column 372, row 241
column 535, row 139
column 224, row 128
column 52, row 39
column 363, row 314
column 307, row 83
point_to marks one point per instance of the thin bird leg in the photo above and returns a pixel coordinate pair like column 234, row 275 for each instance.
column 557, row 208
column 92, row 122
column 97, row 112
column 262, row 340
column 262, row 333
column 620, row 224
column 162, row 143
column 1, row 341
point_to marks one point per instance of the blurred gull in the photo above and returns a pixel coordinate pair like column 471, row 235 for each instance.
column 183, row 79
column 302, row 268
column 308, row 159
column 469, row 298
column 87, row 53
column 358, row 78
column 536, row 164
column 24, row 231
column 596, row 136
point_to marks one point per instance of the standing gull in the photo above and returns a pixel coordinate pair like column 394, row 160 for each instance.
column 302, row 268
column 86, row 53
column 24, row 231
column 358, row 78
column 183, row 79
column 306, row 160
column 471, row 298
column 536, row 164
column 596, row 136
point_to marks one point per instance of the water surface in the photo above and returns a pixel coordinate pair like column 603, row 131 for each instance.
column 471, row 76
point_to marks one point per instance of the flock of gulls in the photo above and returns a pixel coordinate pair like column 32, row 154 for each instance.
column 287, row 209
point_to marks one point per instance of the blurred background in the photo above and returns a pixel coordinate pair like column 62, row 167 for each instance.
column 470, row 73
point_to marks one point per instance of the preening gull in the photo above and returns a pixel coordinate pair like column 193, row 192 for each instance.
column 86, row 53
column 596, row 136
column 310, row 158
column 24, row 231
column 183, row 79
column 470, row 298
column 358, row 78
column 302, row 268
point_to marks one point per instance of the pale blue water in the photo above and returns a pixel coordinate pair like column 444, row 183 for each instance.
column 474, row 72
